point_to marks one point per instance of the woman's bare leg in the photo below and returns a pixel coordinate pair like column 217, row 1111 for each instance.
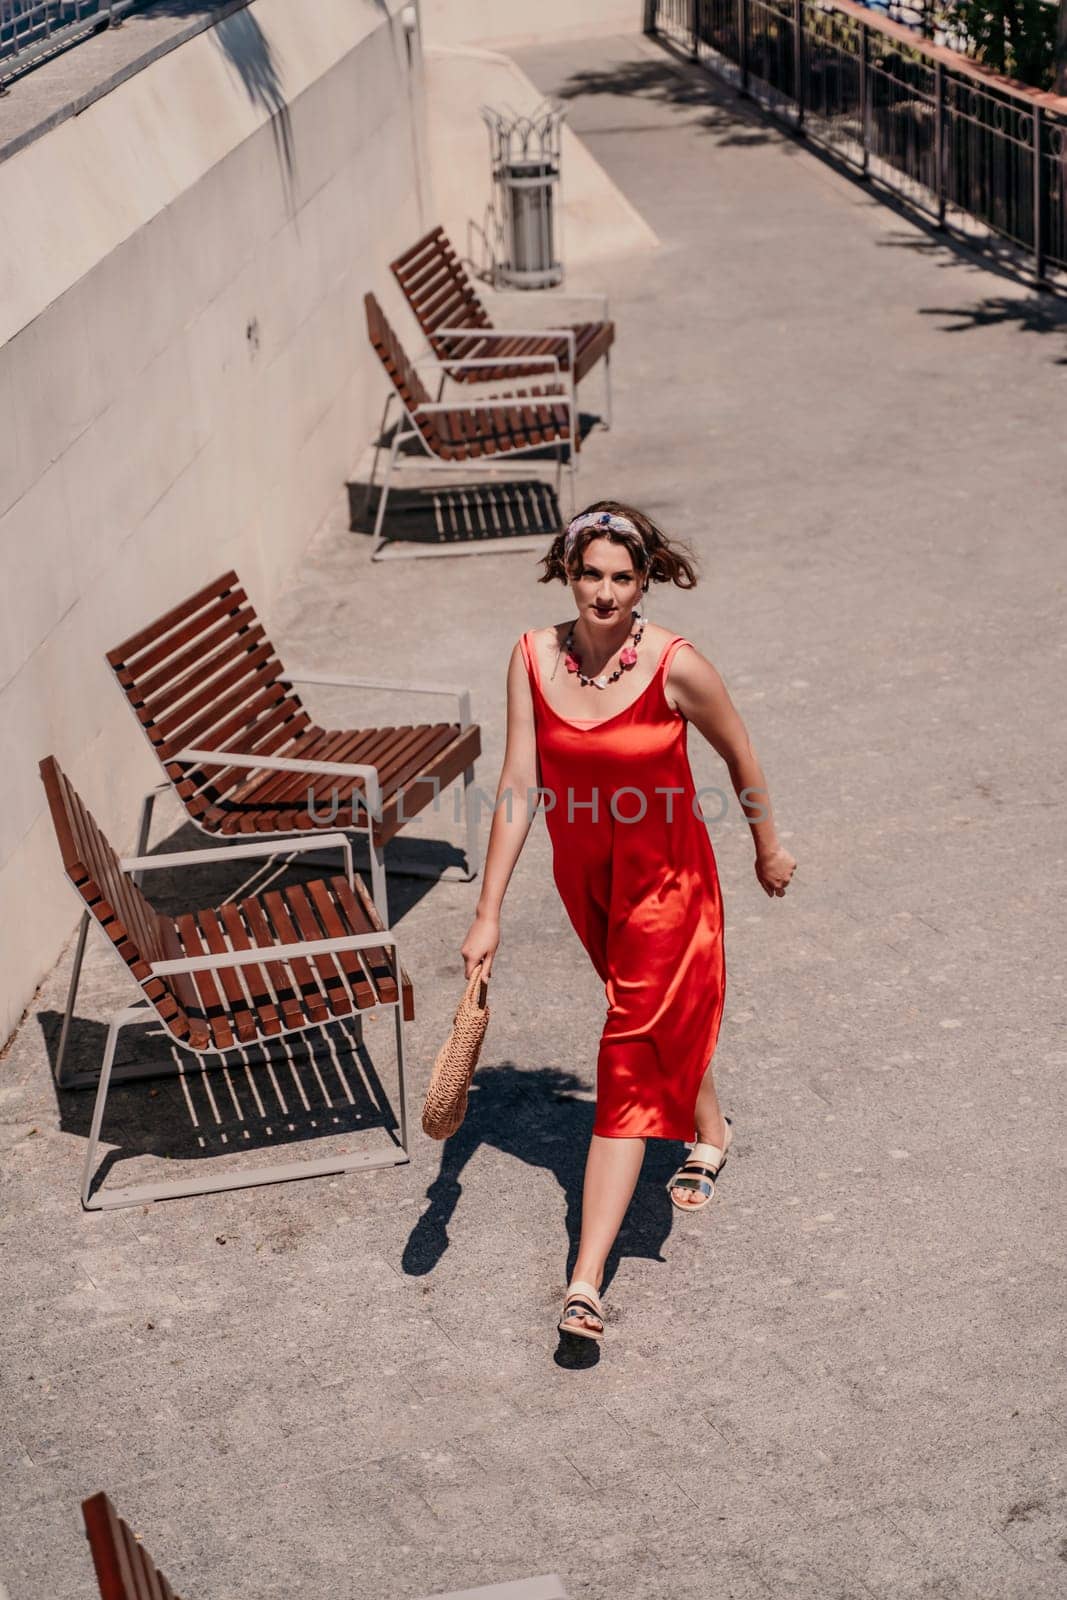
column 612, row 1169
column 711, row 1129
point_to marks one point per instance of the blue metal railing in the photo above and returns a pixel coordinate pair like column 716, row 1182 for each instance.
column 32, row 29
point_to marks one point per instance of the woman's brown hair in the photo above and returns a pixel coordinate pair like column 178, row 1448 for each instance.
column 656, row 558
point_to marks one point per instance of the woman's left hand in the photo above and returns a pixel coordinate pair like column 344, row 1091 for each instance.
column 775, row 869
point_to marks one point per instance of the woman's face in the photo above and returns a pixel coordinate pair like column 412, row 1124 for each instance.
column 608, row 587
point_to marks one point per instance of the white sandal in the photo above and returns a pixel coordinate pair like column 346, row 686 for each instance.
column 699, row 1171
column 582, row 1301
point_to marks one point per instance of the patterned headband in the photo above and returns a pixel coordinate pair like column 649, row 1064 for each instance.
column 606, row 520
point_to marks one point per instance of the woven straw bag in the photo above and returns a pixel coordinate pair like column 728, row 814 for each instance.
column 446, row 1098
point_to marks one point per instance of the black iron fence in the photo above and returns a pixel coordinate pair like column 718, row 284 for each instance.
column 952, row 139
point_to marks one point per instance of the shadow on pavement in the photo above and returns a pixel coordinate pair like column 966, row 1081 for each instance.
column 461, row 513
column 321, row 1084
column 677, row 82
column 1036, row 314
column 738, row 120
column 535, row 1115
column 183, row 1107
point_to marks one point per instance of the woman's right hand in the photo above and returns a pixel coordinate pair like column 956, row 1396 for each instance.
column 481, row 943
column 774, row 869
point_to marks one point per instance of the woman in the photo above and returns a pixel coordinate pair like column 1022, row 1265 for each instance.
column 598, row 710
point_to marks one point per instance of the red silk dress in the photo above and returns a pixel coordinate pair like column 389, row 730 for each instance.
column 637, row 874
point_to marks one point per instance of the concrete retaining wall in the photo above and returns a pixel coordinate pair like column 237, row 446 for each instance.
column 184, row 378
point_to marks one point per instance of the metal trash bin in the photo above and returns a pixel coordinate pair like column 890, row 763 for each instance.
column 525, row 154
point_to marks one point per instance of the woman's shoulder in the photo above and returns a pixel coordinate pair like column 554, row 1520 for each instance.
column 537, row 646
column 544, row 640
column 658, row 635
column 658, row 640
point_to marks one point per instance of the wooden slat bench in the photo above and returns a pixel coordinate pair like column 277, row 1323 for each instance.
column 243, row 973
column 243, row 755
column 471, row 433
column 125, row 1570
column 241, row 750
column 453, row 317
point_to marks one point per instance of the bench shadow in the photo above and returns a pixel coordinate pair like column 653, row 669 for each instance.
column 320, row 1084
column 460, row 513
column 450, row 512
column 185, row 1107
column 540, row 1116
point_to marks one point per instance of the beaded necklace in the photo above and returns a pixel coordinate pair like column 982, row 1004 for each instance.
column 627, row 657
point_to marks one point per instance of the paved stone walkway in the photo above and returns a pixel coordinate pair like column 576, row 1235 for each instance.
column 846, row 1379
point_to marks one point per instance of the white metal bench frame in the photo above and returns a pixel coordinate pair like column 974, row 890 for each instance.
column 259, row 955
column 407, row 429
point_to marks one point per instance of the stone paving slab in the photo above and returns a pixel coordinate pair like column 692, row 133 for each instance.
column 846, row 1379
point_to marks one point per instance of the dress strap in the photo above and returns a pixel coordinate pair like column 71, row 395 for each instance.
column 529, row 655
column 664, row 668
column 668, row 655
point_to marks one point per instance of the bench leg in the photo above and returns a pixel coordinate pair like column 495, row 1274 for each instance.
column 566, row 458
column 122, row 1020
column 284, row 1172
column 378, row 885
column 390, row 397
column 401, row 1075
column 144, row 827
column 451, row 873
column 72, row 992
column 470, row 812
column 412, row 869
column 607, row 389
column 384, row 499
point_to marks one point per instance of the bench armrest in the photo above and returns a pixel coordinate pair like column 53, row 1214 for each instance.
column 324, row 769
column 495, row 403
column 432, row 364
column 509, row 333
column 234, row 852
column 333, row 680
column 261, row 954
column 234, row 758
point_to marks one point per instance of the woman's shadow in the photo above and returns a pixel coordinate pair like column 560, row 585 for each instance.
column 535, row 1115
